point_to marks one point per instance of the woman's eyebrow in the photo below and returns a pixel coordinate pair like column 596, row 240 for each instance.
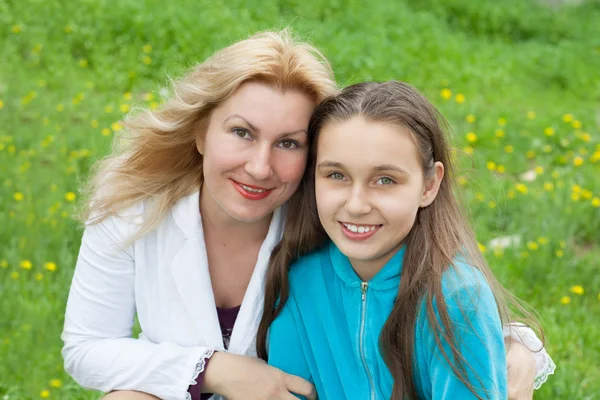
column 257, row 130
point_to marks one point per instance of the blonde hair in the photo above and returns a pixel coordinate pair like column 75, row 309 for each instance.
column 157, row 160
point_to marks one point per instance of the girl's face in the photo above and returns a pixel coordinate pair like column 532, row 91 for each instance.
column 255, row 151
column 369, row 187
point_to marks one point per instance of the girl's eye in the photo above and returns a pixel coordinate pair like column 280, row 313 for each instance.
column 385, row 181
column 336, row 176
column 242, row 133
column 289, row 144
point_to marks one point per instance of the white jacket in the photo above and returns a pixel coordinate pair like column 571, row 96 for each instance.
column 164, row 278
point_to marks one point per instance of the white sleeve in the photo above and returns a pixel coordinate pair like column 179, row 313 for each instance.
column 98, row 350
column 526, row 336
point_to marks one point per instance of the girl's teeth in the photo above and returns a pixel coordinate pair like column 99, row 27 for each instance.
column 252, row 190
column 359, row 229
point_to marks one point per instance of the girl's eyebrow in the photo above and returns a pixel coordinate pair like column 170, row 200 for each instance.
column 331, row 164
column 390, row 167
column 256, row 130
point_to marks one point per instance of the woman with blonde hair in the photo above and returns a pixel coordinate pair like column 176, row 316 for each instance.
column 181, row 221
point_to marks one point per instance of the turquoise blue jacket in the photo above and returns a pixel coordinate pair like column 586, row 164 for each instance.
column 328, row 331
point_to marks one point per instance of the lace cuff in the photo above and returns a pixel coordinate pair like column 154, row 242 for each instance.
column 526, row 336
column 199, row 369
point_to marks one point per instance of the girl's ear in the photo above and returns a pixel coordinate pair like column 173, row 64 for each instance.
column 432, row 185
column 200, row 143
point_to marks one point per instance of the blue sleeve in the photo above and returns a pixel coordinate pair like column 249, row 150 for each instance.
column 478, row 331
column 285, row 347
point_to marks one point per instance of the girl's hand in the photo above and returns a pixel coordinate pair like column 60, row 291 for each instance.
column 521, row 371
column 240, row 377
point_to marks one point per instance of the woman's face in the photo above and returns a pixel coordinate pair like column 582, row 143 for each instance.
column 255, row 151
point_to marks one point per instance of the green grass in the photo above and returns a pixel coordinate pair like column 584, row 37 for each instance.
column 68, row 70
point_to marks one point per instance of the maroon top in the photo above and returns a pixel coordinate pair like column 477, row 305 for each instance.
column 227, row 317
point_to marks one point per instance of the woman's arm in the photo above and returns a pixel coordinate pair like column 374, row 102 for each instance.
column 98, row 349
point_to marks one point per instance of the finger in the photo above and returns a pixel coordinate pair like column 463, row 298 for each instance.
column 300, row 386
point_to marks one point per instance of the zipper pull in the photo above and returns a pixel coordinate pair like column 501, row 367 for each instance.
column 363, row 288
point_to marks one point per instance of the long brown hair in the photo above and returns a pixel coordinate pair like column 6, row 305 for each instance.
column 156, row 159
column 439, row 236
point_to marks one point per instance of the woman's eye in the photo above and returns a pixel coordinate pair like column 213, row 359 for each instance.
column 336, row 176
column 385, row 181
column 289, row 144
column 242, row 133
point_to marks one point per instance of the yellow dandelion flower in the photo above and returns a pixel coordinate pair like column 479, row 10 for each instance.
column 70, row 196
column 559, row 253
column 492, row 204
column 56, row 383
column 44, row 394
column 587, row 194
column 479, row 196
column 547, row 148
column 462, row 180
column 108, row 109
column 18, row 196
column 498, row 252
column 115, row 126
column 4, row 264
column 539, row 170
column 39, row 276
column 501, row 169
column 60, row 107
column 147, row 48
column 147, row 60
column 68, row 29
column 149, row 96
column 14, row 275
column 482, row 247
column 548, row 186
column 596, row 202
column 500, row 133
column 532, row 246
column 567, row 117
column 549, row 131
column 576, row 124
column 127, row 96
column 16, row 29
column 124, row 108
column 50, row 266
column 26, row 264
column 543, row 240
column 154, row 105
column 471, row 137
column 531, row 114
column 575, row 196
column 521, row 188
column 460, row 98
column 83, row 63
column 470, row 118
column 1, row 104
column 106, row 132
column 502, row 121
column 509, row 149
column 491, row 165
column 530, row 154
column 94, row 123
column 565, row 300
column 446, row 93
column 469, row 150
column 586, row 137
column 578, row 161
column 577, row 289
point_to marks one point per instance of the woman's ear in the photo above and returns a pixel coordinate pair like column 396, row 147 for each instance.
column 432, row 185
column 200, row 143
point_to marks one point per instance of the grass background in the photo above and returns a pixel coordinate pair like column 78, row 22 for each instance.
column 519, row 81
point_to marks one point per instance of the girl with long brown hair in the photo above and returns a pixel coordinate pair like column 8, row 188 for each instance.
column 388, row 295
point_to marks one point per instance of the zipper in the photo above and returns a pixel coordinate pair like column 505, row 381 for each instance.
column 361, row 339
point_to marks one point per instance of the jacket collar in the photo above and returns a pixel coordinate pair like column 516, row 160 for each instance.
column 191, row 275
column 387, row 278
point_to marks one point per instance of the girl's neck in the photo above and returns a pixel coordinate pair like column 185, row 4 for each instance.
column 367, row 269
